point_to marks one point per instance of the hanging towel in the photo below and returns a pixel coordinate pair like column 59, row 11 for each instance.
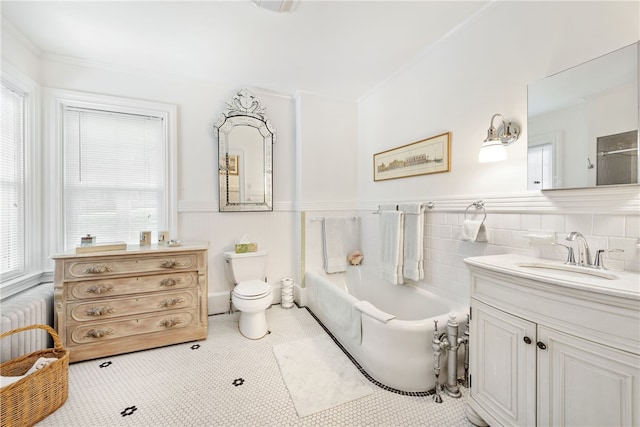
column 413, row 264
column 388, row 207
column 338, row 305
column 340, row 237
column 391, row 246
column 473, row 231
column 365, row 307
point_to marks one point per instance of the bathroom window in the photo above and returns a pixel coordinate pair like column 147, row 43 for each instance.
column 118, row 173
column 12, row 182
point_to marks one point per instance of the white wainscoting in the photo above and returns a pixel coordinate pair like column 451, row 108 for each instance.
column 608, row 217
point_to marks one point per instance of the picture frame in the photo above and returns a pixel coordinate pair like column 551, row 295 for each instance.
column 233, row 165
column 427, row 156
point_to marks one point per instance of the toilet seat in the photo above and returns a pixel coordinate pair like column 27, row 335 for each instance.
column 252, row 289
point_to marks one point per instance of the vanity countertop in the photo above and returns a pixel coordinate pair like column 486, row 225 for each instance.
column 625, row 284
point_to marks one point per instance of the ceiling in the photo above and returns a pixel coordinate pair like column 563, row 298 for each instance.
column 333, row 48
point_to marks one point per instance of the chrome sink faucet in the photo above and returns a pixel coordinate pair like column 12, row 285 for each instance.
column 584, row 255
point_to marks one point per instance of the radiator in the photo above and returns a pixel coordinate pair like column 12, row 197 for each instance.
column 33, row 306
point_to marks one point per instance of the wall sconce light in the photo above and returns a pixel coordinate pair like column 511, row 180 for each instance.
column 492, row 149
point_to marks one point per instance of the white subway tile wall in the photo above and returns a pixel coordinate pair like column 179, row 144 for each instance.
column 446, row 272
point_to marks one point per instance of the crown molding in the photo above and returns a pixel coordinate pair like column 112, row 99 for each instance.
column 140, row 71
column 11, row 29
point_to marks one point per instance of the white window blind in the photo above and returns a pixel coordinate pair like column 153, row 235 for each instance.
column 12, row 239
column 114, row 175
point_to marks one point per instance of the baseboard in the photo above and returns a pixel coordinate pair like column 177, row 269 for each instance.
column 276, row 293
column 219, row 302
column 300, row 295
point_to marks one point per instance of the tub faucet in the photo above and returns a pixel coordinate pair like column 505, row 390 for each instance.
column 584, row 255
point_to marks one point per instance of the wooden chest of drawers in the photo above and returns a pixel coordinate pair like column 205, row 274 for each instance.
column 121, row 301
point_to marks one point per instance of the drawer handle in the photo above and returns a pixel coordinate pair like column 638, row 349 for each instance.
column 99, row 311
column 99, row 289
column 527, row 340
column 541, row 345
column 170, row 302
column 170, row 263
column 98, row 333
column 98, row 269
column 170, row 323
column 169, row 282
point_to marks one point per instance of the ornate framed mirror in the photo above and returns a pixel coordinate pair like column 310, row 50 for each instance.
column 245, row 138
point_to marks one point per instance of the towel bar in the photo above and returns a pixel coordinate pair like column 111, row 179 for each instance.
column 428, row 205
column 478, row 204
column 321, row 218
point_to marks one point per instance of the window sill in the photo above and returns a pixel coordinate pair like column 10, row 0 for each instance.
column 24, row 282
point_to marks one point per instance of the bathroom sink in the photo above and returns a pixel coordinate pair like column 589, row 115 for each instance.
column 584, row 280
column 569, row 268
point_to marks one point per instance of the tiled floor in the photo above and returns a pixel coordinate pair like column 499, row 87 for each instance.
column 226, row 380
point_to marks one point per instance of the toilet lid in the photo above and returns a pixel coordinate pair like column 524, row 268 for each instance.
column 252, row 288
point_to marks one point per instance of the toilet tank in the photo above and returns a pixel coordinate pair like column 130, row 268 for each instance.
column 247, row 266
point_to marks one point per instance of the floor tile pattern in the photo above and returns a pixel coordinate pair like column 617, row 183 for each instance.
column 226, row 380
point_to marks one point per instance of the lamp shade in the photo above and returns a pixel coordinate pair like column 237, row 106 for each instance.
column 492, row 151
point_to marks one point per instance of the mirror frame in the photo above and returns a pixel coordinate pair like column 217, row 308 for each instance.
column 244, row 109
column 554, row 137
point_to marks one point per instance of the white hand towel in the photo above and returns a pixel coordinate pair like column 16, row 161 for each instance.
column 39, row 364
column 391, row 246
column 473, row 231
column 340, row 237
column 413, row 263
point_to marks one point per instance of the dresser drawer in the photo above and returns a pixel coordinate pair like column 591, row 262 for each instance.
column 108, row 288
column 104, row 267
column 107, row 331
column 91, row 311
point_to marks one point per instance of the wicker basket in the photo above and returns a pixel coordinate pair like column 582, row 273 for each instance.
column 40, row 393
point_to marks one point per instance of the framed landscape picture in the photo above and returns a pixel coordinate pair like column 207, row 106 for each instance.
column 431, row 155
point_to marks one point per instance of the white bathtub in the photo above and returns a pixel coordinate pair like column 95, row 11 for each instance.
column 397, row 353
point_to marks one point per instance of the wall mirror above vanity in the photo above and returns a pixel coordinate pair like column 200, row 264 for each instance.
column 245, row 138
column 583, row 124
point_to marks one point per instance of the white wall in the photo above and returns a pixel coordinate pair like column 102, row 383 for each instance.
column 199, row 106
column 327, row 145
column 324, row 149
column 456, row 86
column 19, row 53
column 313, row 158
column 482, row 69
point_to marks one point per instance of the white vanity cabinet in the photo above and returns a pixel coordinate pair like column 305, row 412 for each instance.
column 553, row 349
column 502, row 365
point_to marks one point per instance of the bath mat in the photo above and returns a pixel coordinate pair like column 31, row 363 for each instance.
column 319, row 375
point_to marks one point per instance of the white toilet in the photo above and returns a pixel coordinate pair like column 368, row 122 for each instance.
column 251, row 295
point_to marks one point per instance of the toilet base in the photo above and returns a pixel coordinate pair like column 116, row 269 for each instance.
column 253, row 325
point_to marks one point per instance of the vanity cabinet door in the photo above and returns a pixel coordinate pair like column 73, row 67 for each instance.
column 503, row 365
column 583, row 383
